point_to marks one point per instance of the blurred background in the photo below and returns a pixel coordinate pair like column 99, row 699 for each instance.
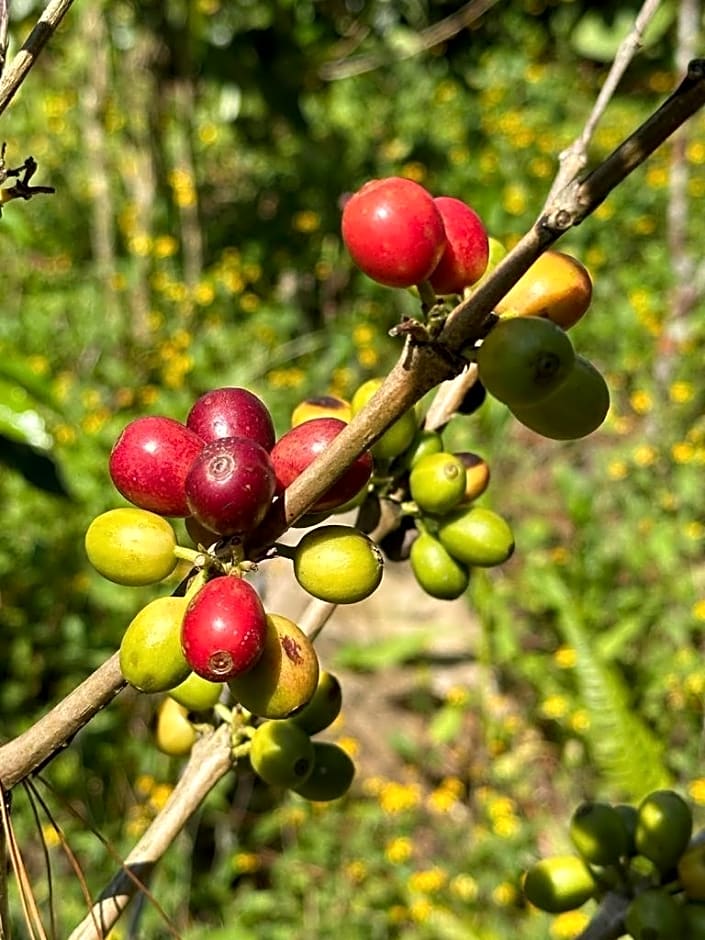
column 200, row 153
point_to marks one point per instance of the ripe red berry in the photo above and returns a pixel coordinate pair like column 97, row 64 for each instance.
column 230, row 485
column 231, row 412
column 224, row 629
column 467, row 251
column 300, row 446
column 149, row 463
column 393, row 231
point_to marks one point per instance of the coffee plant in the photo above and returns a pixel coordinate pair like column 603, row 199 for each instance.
column 214, row 496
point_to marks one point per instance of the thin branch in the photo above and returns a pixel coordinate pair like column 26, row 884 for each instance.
column 209, row 762
column 426, row 39
column 4, row 27
column 53, row 732
column 573, row 159
column 422, row 367
column 45, row 27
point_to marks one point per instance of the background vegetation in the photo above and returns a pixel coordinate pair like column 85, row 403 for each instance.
column 200, row 151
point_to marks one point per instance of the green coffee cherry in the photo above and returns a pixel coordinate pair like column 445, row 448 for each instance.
column 477, row 537
column 332, row 774
column 691, row 872
column 174, row 735
column 630, row 818
column 281, row 753
column 599, row 833
column 438, row 573
column 426, row 442
column 284, row 677
column 654, row 915
column 693, row 921
column 196, row 694
column 396, row 438
column 664, row 827
column 323, row 708
column 131, row 546
column 558, row 884
column 437, row 482
column 151, row 658
column 338, row 563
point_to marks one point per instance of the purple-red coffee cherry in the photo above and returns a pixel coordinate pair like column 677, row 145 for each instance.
column 231, row 412
column 224, row 628
column 230, row 485
column 393, row 231
column 467, row 249
column 300, row 446
column 149, row 463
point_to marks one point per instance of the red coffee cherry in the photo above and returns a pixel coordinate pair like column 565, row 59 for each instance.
column 231, row 412
column 149, row 463
column 393, row 231
column 300, row 446
column 467, row 249
column 230, row 485
column 224, row 629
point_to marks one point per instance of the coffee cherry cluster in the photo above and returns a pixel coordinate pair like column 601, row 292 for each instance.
column 441, row 530
column 400, row 236
column 530, row 364
column 283, row 754
column 646, row 854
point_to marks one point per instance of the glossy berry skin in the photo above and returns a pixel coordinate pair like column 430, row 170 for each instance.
column 338, row 564
column 231, row 412
column 558, row 884
column 324, row 706
column 332, row 774
column 522, row 360
column 230, row 485
column 224, row 629
column 394, row 231
column 281, row 753
column 663, row 829
column 131, row 546
column 300, row 446
column 285, row 676
column 151, row 658
column 149, row 463
column 467, row 251
column 599, row 833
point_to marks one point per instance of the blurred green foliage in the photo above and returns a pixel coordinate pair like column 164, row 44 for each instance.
column 200, row 152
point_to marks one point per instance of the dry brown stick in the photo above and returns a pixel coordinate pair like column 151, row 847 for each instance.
column 573, row 159
column 209, row 762
column 50, row 734
column 44, row 28
column 419, row 369
column 426, row 39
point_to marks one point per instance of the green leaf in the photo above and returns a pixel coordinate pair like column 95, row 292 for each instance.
column 623, row 746
column 597, row 38
column 17, row 371
column 37, row 467
column 19, row 418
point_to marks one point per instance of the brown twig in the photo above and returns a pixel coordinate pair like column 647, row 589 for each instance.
column 573, row 159
column 422, row 367
column 41, row 742
column 44, row 28
column 419, row 369
column 209, row 762
column 426, row 39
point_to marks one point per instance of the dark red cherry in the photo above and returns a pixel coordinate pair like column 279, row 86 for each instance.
column 232, row 412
